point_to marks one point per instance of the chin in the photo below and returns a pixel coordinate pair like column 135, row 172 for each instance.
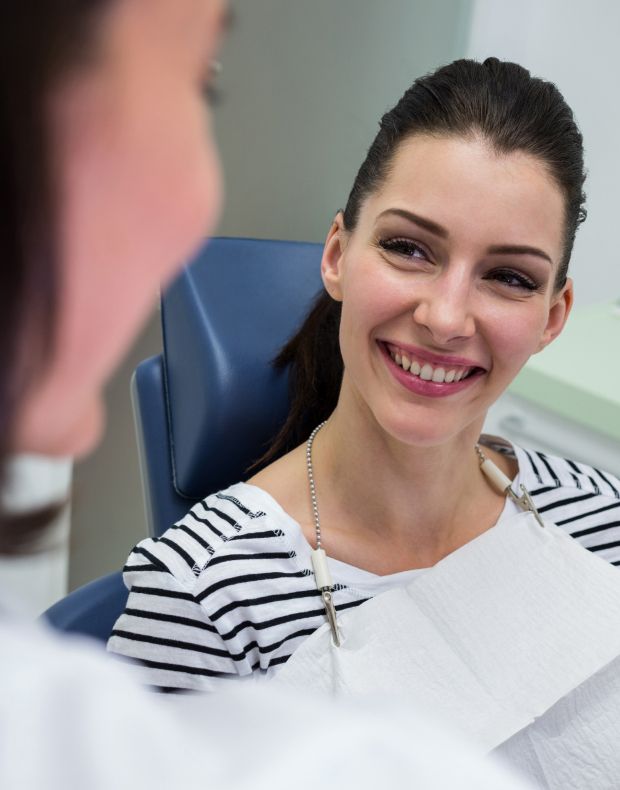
column 426, row 430
column 74, row 436
column 86, row 435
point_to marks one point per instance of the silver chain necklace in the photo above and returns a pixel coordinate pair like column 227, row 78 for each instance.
column 315, row 504
column 498, row 480
column 322, row 575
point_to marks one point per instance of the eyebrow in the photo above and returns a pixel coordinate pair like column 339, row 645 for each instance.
column 423, row 222
column 439, row 230
column 518, row 249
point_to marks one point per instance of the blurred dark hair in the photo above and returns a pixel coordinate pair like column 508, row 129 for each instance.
column 40, row 40
column 497, row 101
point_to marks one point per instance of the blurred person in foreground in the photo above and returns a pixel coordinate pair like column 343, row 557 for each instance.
column 109, row 181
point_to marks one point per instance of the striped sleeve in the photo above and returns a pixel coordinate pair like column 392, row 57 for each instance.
column 164, row 627
column 583, row 500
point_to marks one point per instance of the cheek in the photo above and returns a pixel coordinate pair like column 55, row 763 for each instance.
column 370, row 304
column 171, row 185
column 514, row 335
column 134, row 207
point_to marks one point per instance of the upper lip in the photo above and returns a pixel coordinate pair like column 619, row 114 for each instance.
column 446, row 361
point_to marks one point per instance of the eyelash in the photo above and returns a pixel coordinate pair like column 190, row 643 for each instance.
column 523, row 282
column 406, row 248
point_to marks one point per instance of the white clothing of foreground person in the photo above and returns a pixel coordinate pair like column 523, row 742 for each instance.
column 71, row 719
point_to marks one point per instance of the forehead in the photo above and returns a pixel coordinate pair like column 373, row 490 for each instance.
column 474, row 192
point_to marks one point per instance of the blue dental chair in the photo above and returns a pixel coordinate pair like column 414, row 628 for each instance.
column 208, row 406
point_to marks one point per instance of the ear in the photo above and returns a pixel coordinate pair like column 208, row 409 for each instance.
column 332, row 260
column 558, row 313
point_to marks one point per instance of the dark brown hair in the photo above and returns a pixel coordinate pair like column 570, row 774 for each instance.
column 39, row 41
column 495, row 100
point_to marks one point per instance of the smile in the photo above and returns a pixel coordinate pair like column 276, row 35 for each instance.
column 420, row 375
column 426, row 371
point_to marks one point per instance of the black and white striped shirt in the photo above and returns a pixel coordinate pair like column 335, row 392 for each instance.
column 228, row 591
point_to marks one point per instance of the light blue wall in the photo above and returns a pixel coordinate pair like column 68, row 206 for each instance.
column 306, row 82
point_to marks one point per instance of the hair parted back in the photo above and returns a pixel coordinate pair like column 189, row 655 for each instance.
column 496, row 101
column 39, row 41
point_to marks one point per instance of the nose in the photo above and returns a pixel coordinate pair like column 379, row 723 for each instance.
column 444, row 307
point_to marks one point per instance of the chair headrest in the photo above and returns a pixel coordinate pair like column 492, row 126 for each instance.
column 224, row 320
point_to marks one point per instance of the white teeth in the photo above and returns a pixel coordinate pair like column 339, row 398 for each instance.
column 426, row 371
column 426, row 374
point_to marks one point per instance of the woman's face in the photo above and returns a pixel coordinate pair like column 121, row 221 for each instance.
column 139, row 185
column 447, row 285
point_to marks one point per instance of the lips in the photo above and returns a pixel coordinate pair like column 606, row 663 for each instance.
column 431, row 374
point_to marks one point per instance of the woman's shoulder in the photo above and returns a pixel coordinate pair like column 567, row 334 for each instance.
column 580, row 498
column 234, row 520
column 544, row 473
column 547, row 474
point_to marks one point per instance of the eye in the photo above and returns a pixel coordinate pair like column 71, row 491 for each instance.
column 512, row 279
column 405, row 248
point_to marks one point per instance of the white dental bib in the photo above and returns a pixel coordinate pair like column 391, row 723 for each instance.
column 514, row 640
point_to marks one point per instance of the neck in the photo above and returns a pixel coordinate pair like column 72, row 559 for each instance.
column 423, row 502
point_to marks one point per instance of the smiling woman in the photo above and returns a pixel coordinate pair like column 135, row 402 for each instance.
column 451, row 268
column 446, row 270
